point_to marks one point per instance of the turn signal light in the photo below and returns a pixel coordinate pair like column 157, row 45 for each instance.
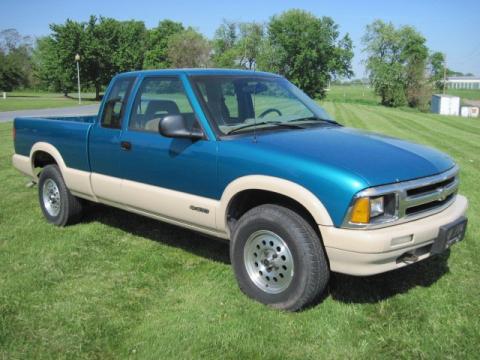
column 361, row 211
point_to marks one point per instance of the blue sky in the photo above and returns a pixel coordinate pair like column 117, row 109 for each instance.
column 452, row 27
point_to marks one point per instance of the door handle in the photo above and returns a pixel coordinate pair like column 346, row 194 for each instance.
column 126, row 145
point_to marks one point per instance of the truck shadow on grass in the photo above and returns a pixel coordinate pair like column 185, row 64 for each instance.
column 344, row 288
column 372, row 289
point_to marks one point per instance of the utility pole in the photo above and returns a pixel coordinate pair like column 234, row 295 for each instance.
column 77, row 59
column 445, row 75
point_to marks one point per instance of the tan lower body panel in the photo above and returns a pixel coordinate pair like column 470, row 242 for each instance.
column 176, row 207
column 368, row 252
column 174, row 204
column 207, row 231
column 159, row 203
column 22, row 164
column 78, row 182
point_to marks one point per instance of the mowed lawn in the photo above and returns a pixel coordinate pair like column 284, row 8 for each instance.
column 25, row 100
column 122, row 286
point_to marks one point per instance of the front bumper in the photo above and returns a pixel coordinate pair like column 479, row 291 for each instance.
column 369, row 252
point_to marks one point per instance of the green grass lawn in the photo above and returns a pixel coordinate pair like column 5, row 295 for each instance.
column 25, row 100
column 465, row 94
column 123, row 286
column 358, row 94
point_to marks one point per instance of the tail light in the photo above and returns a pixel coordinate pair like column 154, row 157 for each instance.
column 14, row 133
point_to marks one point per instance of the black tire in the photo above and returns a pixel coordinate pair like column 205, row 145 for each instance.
column 67, row 208
column 311, row 270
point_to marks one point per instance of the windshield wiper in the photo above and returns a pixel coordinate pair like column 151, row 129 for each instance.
column 314, row 118
column 274, row 123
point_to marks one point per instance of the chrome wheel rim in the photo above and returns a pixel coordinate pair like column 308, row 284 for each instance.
column 268, row 261
column 51, row 197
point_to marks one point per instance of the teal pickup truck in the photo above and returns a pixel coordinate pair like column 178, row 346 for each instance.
column 247, row 156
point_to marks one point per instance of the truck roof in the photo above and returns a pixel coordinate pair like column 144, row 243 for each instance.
column 197, row 71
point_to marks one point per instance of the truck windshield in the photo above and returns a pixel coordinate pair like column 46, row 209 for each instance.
column 237, row 104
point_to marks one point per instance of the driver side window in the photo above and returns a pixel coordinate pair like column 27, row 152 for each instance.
column 157, row 98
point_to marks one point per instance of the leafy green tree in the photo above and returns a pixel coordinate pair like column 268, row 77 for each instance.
column 225, row 51
column 11, row 75
column 130, row 49
column 188, row 49
column 15, row 60
column 156, row 55
column 110, row 47
column 307, row 50
column 251, row 36
column 386, row 73
column 397, row 62
column 48, row 68
column 106, row 47
column 437, row 69
column 415, row 59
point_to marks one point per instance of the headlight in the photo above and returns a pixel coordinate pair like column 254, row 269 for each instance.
column 366, row 210
column 376, row 206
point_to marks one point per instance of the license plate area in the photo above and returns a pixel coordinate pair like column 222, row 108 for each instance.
column 449, row 234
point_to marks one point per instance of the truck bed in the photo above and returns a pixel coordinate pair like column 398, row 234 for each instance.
column 68, row 134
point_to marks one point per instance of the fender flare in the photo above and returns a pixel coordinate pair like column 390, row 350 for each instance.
column 77, row 181
column 277, row 185
column 49, row 149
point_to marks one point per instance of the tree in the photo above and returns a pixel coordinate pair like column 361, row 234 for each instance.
column 156, row 56
column 188, row 49
column 110, row 47
column 15, row 60
column 397, row 61
column 414, row 58
column 48, row 69
column 307, row 50
column 437, row 69
column 238, row 44
column 106, row 47
column 250, row 43
column 225, row 51
column 11, row 75
column 131, row 45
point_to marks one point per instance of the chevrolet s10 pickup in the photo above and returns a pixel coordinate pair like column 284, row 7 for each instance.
column 247, row 156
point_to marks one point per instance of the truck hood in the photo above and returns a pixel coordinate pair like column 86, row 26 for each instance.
column 378, row 159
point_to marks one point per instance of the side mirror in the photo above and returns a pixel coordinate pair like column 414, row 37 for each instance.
column 175, row 126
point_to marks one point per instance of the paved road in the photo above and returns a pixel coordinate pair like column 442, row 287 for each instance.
column 66, row 111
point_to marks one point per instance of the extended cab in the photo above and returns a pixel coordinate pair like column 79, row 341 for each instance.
column 247, row 156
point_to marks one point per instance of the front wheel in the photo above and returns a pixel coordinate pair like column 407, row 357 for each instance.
column 58, row 205
column 277, row 258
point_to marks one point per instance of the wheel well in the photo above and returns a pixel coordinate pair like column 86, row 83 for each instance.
column 248, row 199
column 40, row 159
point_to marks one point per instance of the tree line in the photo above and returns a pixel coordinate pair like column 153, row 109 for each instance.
column 308, row 50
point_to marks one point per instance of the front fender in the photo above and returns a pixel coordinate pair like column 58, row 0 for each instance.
column 277, row 185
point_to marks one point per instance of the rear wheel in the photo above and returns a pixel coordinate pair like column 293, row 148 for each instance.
column 58, row 205
column 278, row 258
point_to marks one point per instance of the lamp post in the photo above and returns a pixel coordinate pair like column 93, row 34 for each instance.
column 77, row 59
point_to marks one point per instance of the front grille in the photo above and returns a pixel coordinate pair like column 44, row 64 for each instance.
column 425, row 189
column 429, row 196
column 428, row 206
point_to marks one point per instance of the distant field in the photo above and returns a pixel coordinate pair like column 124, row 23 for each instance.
column 120, row 285
column 25, row 100
column 465, row 94
column 352, row 94
column 364, row 94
